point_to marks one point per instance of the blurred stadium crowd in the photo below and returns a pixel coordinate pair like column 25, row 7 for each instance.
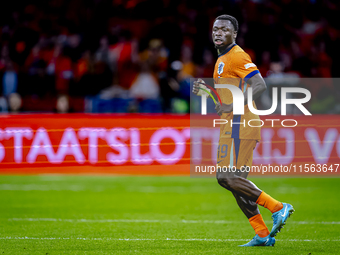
column 138, row 55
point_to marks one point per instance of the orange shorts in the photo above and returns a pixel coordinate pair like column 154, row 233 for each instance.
column 235, row 152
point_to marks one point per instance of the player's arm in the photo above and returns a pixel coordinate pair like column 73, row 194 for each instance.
column 258, row 85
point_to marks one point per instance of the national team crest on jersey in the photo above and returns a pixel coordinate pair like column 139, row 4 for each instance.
column 220, row 68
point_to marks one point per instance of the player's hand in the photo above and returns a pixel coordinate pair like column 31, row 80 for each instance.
column 196, row 86
column 224, row 108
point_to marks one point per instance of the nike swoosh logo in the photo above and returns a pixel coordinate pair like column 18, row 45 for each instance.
column 284, row 213
column 266, row 241
column 219, row 161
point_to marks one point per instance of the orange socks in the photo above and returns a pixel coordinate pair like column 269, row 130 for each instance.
column 259, row 226
column 268, row 202
column 257, row 221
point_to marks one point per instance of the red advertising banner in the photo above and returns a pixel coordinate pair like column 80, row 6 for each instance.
column 299, row 145
column 80, row 143
column 148, row 144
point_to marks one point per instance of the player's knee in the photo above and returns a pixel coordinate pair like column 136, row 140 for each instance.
column 225, row 182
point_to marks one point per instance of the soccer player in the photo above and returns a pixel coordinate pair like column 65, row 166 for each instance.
column 236, row 143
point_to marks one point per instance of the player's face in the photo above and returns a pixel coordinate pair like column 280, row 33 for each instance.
column 223, row 33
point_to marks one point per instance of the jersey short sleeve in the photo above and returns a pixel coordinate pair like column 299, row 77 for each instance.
column 243, row 66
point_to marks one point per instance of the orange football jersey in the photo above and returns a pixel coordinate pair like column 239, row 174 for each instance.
column 235, row 67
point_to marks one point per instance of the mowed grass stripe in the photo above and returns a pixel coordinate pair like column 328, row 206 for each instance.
column 150, row 239
column 162, row 221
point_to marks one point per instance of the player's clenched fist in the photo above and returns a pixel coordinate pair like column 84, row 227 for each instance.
column 195, row 88
column 198, row 86
column 224, row 108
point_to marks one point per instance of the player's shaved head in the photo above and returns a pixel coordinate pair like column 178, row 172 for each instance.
column 230, row 18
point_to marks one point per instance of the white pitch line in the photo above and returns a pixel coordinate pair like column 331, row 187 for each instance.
column 164, row 221
column 36, row 187
column 89, row 220
column 149, row 239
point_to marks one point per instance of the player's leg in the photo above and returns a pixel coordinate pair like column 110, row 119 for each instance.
column 252, row 212
column 244, row 161
column 226, row 156
column 281, row 211
column 239, row 185
column 249, row 208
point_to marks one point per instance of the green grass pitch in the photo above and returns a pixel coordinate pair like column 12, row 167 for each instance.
column 49, row 214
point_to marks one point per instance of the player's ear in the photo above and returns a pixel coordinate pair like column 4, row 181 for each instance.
column 235, row 35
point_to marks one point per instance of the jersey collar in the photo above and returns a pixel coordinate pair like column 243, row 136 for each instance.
column 226, row 50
